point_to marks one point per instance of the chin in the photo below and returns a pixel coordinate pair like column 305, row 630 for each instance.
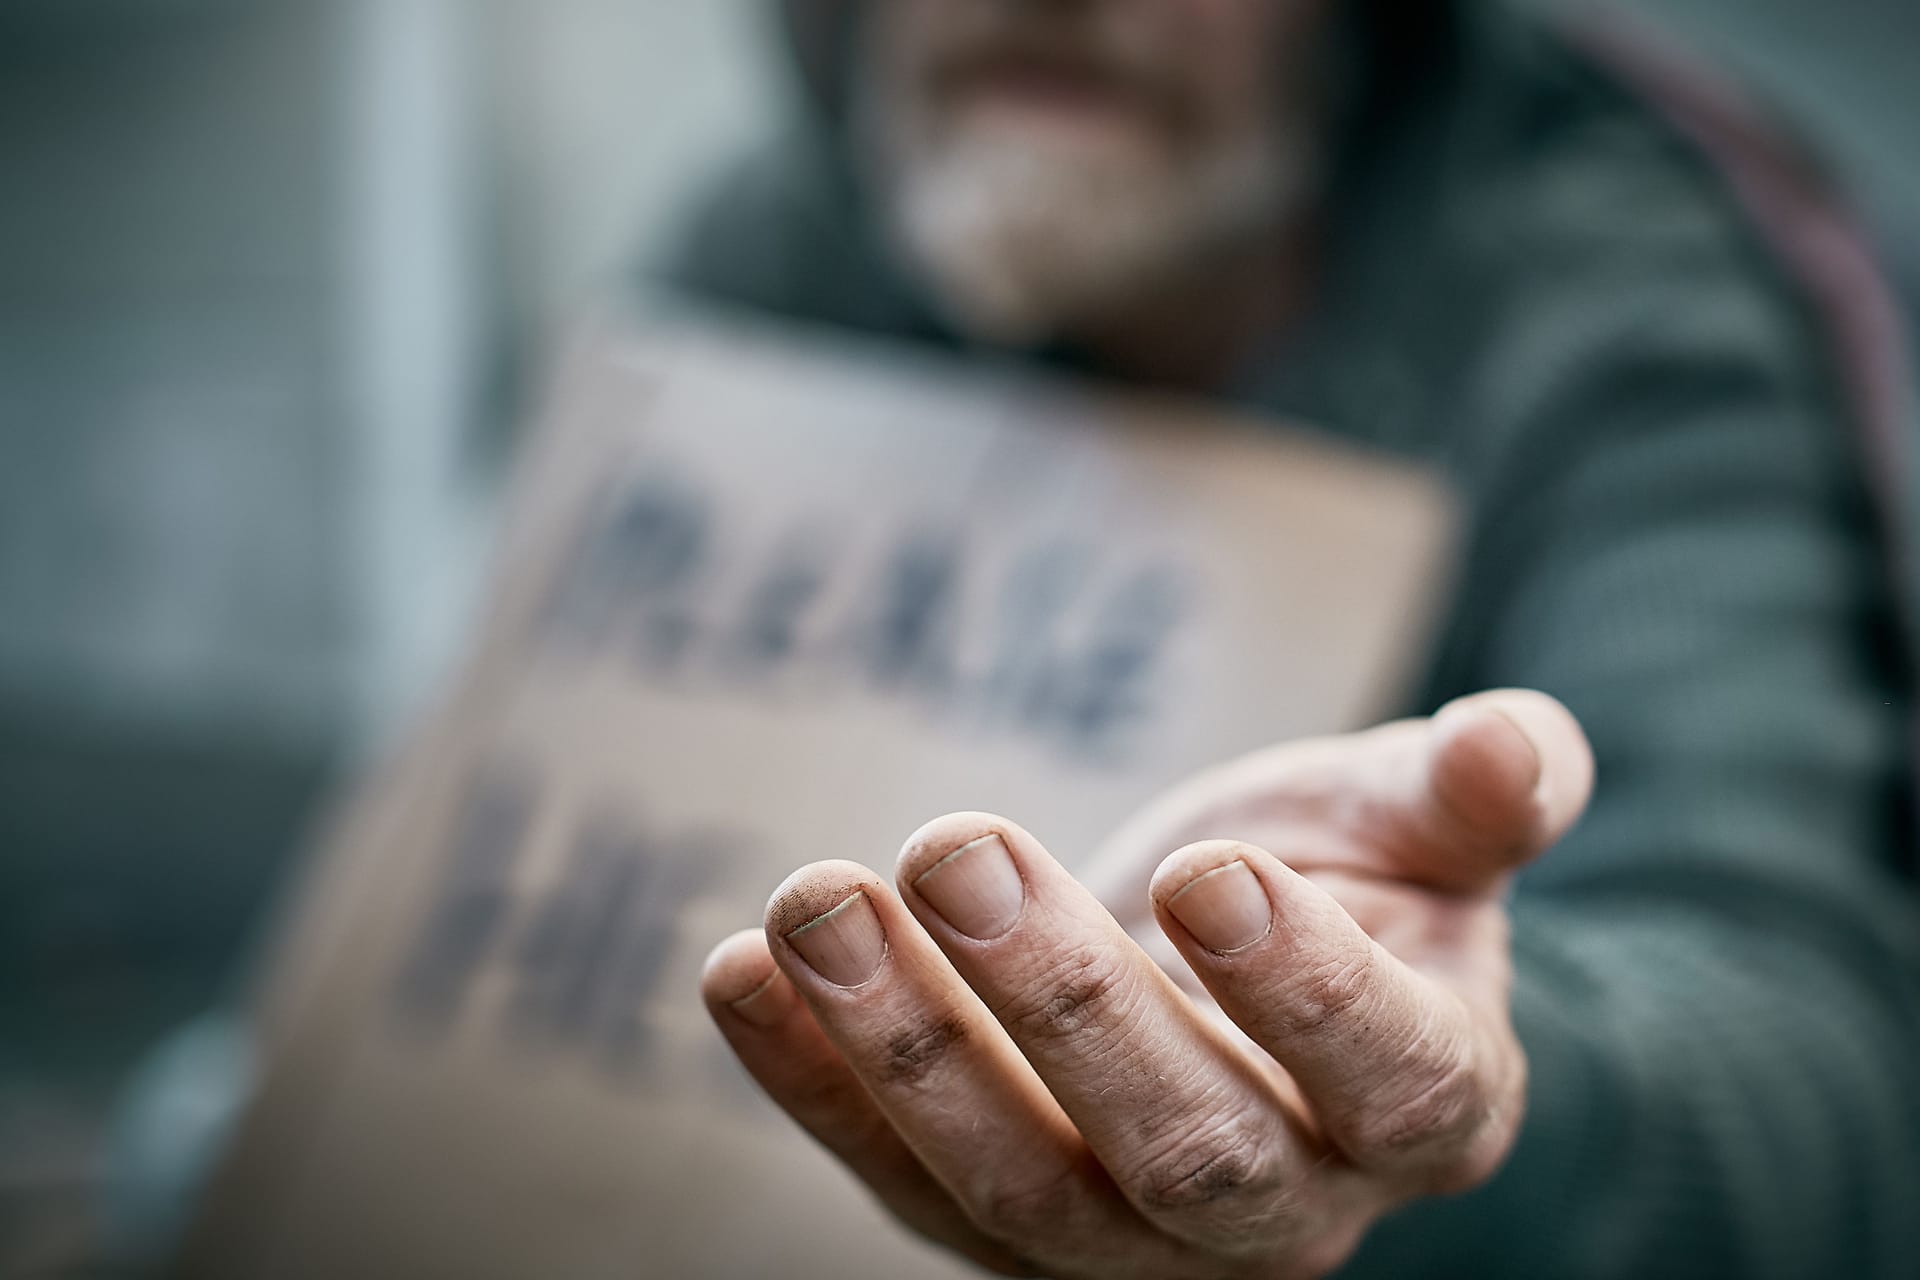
column 1022, row 237
column 1025, row 233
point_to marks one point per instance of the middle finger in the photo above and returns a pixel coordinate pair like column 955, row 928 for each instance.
column 1193, row 1130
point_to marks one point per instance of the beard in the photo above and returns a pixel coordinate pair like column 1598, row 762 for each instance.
column 1026, row 235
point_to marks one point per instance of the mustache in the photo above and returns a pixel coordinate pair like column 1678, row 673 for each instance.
column 1084, row 48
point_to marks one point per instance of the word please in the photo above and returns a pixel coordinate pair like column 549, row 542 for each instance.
column 1059, row 637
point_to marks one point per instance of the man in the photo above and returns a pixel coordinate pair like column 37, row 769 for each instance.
column 1680, row 1041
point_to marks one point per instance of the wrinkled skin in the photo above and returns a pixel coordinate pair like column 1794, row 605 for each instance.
column 1060, row 1099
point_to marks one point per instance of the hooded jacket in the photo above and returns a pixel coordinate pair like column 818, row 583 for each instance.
column 1651, row 362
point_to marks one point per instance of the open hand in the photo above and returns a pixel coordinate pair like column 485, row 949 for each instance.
column 1014, row 1076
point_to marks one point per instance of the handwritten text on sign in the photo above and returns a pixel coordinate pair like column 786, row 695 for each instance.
column 1059, row 639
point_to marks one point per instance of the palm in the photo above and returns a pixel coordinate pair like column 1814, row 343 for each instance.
column 1419, row 853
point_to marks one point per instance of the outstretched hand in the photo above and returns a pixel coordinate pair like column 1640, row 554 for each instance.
column 1014, row 1076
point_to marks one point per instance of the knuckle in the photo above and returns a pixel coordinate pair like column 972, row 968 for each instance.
column 1185, row 1182
column 1226, row 1185
column 907, row 1056
column 1081, row 992
column 1440, row 1105
column 1322, row 997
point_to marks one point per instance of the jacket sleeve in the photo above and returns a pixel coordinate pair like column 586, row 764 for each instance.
column 1716, row 972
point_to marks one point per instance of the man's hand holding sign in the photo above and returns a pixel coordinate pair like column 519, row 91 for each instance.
column 1015, row 1077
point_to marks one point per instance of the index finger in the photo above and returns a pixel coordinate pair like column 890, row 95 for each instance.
column 1408, row 1078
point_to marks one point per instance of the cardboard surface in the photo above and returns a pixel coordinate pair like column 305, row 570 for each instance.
column 763, row 599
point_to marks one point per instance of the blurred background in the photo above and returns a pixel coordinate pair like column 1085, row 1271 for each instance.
column 275, row 279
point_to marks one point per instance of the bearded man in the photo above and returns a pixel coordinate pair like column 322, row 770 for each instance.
column 1402, row 1041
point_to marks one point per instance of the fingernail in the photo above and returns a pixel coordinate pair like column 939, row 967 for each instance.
column 1539, row 761
column 768, row 1004
column 844, row 946
column 976, row 888
column 1532, row 746
column 1225, row 909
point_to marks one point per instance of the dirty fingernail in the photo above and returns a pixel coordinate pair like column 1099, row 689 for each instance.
column 768, row 1004
column 844, row 946
column 1225, row 909
column 976, row 888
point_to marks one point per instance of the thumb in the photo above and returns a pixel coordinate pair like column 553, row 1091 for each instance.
column 1506, row 773
column 1454, row 802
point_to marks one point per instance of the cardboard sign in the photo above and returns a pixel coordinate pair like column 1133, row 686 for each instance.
column 764, row 600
